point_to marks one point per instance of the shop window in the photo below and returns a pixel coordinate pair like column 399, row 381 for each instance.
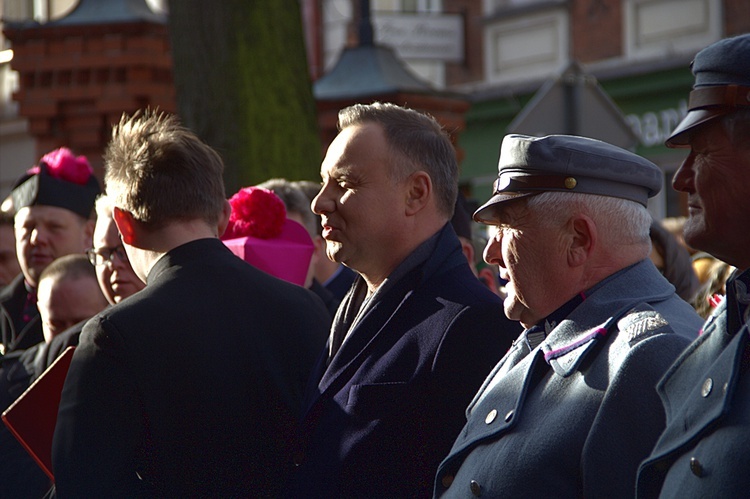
column 529, row 46
column 658, row 28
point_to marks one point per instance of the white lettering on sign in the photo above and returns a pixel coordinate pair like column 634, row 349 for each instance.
column 653, row 128
column 422, row 36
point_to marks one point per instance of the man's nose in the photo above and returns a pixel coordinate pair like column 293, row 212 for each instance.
column 322, row 203
column 38, row 236
column 493, row 251
column 683, row 177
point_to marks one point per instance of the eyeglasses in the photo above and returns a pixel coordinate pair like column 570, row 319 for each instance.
column 103, row 255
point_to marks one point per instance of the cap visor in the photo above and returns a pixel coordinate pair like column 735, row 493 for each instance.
column 681, row 135
column 487, row 213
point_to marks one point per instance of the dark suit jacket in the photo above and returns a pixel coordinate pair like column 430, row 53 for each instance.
column 388, row 407
column 14, row 333
column 192, row 386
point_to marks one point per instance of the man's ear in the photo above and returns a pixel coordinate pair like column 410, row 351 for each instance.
column 582, row 239
column 223, row 221
column 88, row 233
column 125, row 224
column 468, row 250
column 419, row 193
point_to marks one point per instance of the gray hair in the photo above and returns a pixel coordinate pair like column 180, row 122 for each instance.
column 619, row 221
column 294, row 200
column 419, row 140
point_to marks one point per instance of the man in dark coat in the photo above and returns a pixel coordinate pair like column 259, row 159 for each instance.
column 416, row 334
column 192, row 386
column 571, row 410
column 52, row 205
column 703, row 452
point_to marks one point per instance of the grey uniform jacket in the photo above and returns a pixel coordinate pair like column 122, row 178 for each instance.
column 577, row 414
column 705, row 448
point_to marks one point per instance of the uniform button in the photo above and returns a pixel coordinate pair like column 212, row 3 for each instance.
column 696, row 467
column 475, row 488
column 447, row 480
column 509, row 416
column 707, row 386
column 491, row 416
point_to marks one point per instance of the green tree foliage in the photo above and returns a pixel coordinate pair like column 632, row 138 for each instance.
column 243, row 86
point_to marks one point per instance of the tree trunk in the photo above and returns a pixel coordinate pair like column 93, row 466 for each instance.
column 243, row 86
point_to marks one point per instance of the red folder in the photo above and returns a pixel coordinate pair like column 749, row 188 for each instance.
column 32, row 417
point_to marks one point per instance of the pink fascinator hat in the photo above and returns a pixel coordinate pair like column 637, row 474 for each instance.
column 259, row 233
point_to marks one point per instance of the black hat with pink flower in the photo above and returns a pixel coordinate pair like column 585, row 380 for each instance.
column 61, row 180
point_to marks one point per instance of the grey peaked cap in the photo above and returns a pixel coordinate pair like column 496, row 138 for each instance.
column 567, row 163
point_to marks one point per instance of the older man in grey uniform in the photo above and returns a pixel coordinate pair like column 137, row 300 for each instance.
column 703, row 452
column 571, row 409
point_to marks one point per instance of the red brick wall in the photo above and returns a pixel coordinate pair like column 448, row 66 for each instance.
column 736, row 17
column 596, row 29
column 472, row 69
column 77, row 81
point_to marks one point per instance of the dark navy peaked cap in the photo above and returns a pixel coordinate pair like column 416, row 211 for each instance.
column 722, row 85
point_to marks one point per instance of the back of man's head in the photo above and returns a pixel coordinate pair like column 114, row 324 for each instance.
column 417, row 141
column 68, row 293
column 161, row 172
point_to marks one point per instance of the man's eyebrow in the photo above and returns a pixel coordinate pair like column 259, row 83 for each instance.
column 339, row 171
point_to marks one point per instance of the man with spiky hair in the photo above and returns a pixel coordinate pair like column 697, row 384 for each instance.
column 192, row 386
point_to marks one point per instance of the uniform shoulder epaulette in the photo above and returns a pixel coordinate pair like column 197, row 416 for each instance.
column 642, row 322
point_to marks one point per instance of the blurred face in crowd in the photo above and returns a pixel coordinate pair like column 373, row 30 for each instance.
column 116, row 277
column 716, row 178
column 64, row 303
column 360, row 204
column 532, row 259
column 44, row 233
column 9, row 267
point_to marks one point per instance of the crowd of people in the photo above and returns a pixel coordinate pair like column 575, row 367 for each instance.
column 598, row 360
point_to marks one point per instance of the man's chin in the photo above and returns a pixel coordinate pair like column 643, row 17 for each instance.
column 510, row 309
column 695, row 234
column 333, row 252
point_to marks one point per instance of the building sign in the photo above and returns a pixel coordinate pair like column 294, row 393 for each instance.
column 653, row 128
column 422, row 36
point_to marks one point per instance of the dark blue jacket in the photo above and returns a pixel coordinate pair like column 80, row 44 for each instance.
column 389, row 405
